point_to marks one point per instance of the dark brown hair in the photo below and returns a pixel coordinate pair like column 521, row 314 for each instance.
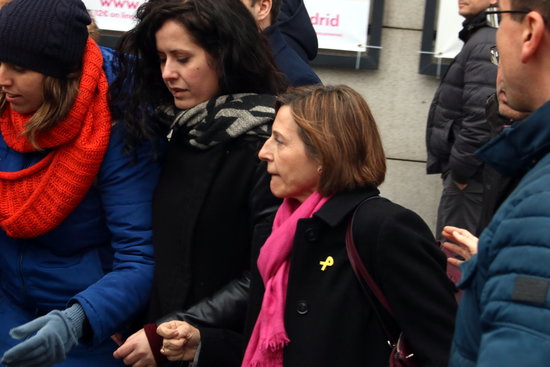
column 227, row 32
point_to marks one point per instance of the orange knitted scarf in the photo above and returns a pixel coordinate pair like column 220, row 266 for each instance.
column 37, row 199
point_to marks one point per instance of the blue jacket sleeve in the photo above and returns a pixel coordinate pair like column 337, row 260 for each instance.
column 514, row 300
column 126, row 184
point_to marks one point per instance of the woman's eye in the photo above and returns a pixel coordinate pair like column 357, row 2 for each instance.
column 183, row 60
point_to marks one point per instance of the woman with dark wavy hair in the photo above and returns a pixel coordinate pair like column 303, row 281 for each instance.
column 241, row 59
column 204, row 75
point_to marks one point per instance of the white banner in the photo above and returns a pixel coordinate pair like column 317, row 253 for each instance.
column 114, row 15
column 449, row 23
column 340, row 25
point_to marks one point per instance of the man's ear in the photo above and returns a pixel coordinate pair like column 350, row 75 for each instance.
column 532, row 35
column 264, row 11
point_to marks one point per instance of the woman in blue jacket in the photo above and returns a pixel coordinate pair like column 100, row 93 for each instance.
column 75, row 209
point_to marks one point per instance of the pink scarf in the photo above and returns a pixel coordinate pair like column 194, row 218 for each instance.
column 265, row 347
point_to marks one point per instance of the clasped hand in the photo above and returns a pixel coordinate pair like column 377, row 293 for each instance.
column 181, row 340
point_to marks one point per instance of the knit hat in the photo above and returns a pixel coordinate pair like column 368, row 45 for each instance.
column 47, row 36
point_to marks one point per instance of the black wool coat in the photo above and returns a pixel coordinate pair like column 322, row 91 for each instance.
column 210, row 207
column 329, row 320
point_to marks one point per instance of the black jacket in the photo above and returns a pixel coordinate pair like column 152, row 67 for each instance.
column 457, row 124
column 210, row 207
column 328, row 319
column 496, row 187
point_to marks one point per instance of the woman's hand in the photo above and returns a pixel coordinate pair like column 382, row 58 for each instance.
column 136, row 351
column 181, row 340
column 463, row 243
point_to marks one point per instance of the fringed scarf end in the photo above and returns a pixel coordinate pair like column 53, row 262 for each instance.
column 273, row 360
column 275, row 342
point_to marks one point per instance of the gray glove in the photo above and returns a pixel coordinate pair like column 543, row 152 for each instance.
column 56, row 333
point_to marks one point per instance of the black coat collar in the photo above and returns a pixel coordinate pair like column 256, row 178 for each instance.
column 342, row 204
column 470, row 26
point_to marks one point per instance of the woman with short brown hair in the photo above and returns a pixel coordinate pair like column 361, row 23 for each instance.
column 335, row 124
column 306, row 306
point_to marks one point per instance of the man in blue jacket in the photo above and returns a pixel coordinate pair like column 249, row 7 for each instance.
column 297, row 71
column 504, row 316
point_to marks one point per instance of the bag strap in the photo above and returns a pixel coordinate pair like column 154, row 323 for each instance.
column 364, row 277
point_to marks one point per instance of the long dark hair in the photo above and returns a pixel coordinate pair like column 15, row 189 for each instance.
column 227, row 32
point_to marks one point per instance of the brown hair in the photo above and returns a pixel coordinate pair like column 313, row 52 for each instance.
column 59, row 96
column 338, row 129
column 93, row 30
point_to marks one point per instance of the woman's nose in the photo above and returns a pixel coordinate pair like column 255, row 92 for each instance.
column 168, row 72
column 5, row 79
column 264, row 153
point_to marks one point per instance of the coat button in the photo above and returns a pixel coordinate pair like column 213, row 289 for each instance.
column 302, row 308
column 310, row 234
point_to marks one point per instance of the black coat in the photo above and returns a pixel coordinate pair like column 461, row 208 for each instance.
column 496, row 186
column 210, row 207
column 328, row 318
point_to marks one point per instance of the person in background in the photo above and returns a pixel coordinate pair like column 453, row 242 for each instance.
column 502, row 318
column 307, row 307
column 75, row 210
column 93, row 30
column 209, row 75
column 108, row 53
column 497, row 188
column 295, row 25
column 297, row 71
column 457, row 124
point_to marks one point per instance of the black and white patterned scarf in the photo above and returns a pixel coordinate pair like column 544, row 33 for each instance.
column 222, row 118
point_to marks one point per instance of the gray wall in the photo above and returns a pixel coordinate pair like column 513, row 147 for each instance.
column 399, row 98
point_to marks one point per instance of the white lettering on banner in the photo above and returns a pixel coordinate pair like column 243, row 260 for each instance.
column 342, row 25
column 115, row 15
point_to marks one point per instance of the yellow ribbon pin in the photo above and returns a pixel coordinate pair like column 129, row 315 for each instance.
column 328, row 262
